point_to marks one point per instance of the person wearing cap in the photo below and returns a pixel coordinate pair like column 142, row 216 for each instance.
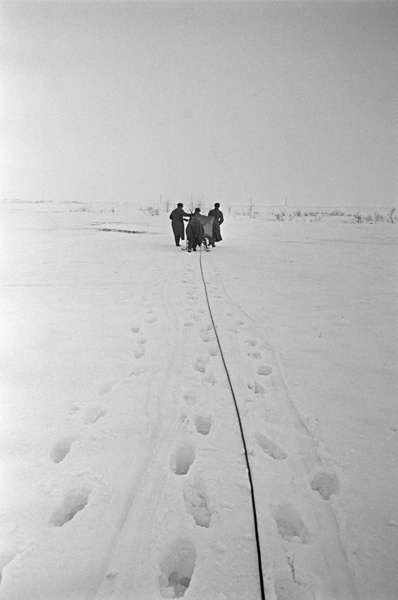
column 195, row 231
column 218, row 220
column 177, row 222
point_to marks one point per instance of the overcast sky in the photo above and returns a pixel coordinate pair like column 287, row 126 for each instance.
column 127, row 101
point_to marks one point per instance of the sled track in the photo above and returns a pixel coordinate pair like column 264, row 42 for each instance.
column 255, row 520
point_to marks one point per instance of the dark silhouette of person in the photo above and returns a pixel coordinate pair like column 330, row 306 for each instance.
column 195, row 232
column 177, row 222
column 218, row 220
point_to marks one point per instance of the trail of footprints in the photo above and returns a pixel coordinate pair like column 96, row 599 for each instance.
column 289, row 523
column 178, row 563
column 76, row 499
column 177, row 566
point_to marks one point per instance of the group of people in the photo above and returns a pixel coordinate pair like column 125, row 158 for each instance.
column 195, row 231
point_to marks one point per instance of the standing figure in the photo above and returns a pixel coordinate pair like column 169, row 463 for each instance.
column 177, row 222
column 218, row 220
column 195, row 232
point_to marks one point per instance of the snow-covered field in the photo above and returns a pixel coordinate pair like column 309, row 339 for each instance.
column 123, row 474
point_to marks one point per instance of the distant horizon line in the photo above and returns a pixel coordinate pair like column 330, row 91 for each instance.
column 234, row 205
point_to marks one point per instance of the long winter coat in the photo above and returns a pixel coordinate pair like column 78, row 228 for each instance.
column 177, row 221
column 195, row 231
column 218, row 220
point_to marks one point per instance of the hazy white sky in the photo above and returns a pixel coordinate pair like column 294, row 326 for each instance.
column 118, row 101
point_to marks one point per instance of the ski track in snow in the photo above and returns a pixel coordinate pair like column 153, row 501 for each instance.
column 181, row 517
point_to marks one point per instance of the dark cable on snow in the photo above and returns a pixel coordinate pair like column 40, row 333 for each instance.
column 257, row 535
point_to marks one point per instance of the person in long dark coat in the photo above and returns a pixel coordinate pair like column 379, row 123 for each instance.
column 195, row 232
column 218, row 220
column 177, row 222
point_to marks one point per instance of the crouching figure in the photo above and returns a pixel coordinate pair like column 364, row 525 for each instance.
column 195, row 232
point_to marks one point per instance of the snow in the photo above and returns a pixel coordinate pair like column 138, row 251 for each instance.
column 123, row 473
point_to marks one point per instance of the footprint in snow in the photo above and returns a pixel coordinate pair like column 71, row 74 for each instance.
column 325, row 483
column 201, row 363
column 182, row 458
column 203, row 424
column 209, row 378
column 138, row 370
column 152, row 319
column 188, row 324
column 139, row 352
column 207, row 337
column 213, row 350
column 105, row 388
column 270, row 447
column 75, row 500
column 177, row 567
column 255, row 355
column 264, row 370
column 62, row 448
column 290, row 524
column 256, row 387
column 94, row 413
column 135, row 328
column 251, row 342
column 190, row 398
column 197, row 502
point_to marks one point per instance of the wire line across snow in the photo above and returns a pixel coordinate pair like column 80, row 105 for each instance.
column 257, row 535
